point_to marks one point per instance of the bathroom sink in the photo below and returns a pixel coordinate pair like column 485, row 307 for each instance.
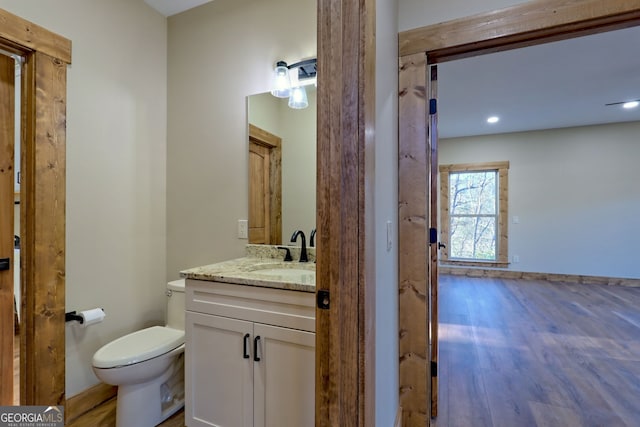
column 284, row 266
column 288, row 272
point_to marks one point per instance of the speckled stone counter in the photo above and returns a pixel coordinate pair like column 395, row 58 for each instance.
column 262, row 266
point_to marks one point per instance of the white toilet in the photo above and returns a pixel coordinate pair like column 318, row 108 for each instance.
column 148, row 367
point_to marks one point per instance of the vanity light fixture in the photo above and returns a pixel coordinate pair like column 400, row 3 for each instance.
column 291, row 84
column 493, row 119
column 627, row 105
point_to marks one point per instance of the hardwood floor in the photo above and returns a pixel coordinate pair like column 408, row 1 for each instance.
column 535, row 353
column 105, row 416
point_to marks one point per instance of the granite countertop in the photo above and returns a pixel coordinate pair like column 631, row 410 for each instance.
column 262, row 266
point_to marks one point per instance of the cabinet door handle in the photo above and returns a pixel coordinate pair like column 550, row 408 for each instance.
column 255, row 349
column 245, row 349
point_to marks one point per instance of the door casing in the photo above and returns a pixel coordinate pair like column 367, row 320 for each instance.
column 42, row 213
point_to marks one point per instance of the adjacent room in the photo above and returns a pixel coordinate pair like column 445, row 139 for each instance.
column 540, row 274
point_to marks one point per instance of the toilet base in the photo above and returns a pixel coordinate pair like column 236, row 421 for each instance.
column 141, row 405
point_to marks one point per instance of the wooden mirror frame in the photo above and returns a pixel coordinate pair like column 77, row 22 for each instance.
column 527, row 24
column 42, row 213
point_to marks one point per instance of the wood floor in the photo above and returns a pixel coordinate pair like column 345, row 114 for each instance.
column 105, row 416
column 535, row 353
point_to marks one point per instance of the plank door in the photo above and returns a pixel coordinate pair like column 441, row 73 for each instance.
column 7, row 123
column 259, row 191
column 434, row 245
column 265, row 187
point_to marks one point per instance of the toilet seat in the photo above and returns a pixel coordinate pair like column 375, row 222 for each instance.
column 138, row 347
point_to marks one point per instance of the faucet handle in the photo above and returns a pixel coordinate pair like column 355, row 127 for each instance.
column 303, row 247
column 312, row 238
column 287, row 255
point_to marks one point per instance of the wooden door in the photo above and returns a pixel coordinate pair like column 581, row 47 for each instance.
column 284, row 377
column 219, row 371
column 259, row 191
column 433, row 233
column 7, row 123
column 265, row 187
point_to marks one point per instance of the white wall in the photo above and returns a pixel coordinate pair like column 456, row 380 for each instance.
column 386, row 209
column 218, row 54
column 420, row 13
column 576, row 194
column 116, row 154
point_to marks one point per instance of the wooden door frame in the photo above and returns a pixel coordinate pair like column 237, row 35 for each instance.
column 345, row 345
column 7, row 131
column 42, row 210
column 532, row 23
column 274, row 144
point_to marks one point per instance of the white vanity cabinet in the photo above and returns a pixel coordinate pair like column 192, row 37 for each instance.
column 250, row 356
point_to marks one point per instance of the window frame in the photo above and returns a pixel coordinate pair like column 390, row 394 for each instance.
column 502, row 239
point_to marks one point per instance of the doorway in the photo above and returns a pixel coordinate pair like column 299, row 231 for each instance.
column 10, row 65
column 518, row 26
column 42, row 216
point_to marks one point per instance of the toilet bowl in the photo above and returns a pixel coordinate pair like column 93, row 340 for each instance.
column 148, row 367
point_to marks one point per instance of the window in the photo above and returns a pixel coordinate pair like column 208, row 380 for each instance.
column 474, row 214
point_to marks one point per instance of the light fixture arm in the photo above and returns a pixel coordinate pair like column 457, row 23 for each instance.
column 306, row 69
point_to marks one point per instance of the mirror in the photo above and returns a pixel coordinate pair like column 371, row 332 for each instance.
column 282, row 168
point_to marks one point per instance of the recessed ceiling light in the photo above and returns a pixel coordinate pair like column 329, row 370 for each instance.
column 493, row 119
column 631, row 104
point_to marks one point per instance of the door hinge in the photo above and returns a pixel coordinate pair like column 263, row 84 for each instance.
column 434, row 369
column 433, row 235
column 5, row 264
column 323, row 299
column 433, row 106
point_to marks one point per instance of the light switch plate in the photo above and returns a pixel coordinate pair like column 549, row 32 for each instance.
column 243, row 229
column 389, row 236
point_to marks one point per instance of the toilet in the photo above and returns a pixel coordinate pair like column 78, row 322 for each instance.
column 148, row 367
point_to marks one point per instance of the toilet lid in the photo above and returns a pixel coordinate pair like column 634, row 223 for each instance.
column 138, row 347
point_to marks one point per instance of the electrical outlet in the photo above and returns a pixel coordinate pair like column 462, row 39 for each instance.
column 516, row 258
column 516, row 219
column 243, row 229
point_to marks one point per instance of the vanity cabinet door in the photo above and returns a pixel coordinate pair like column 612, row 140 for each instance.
column 284, row 377
column 219, row 371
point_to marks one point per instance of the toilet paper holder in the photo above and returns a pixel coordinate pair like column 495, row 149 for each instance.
column 71, row 316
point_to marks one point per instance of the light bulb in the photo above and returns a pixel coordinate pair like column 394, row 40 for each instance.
column 281, row 83
column 298, row 98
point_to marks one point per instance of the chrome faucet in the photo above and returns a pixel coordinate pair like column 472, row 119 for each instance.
column 312, row 237
column 303, row 250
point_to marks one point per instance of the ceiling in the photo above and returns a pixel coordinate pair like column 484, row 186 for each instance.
column 172, row 7
column 554, row 85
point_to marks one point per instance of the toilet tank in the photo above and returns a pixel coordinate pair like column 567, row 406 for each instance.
column 175, row 304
